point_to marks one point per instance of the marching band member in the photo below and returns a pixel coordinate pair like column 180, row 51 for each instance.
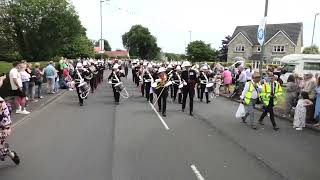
column 136, row 72
column 148, row 80
column 170, row 68
column 77, row 76
column 141, row 74
column 177, row 81
column 114, row 78
column 203, row 81
column 162, row 90
column 190, row 77
column 93, row 80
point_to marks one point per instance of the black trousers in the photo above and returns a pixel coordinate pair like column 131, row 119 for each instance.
column 142, row 89
column 198, row 91
column 269, row 109
column 147, row 87
column 202, row 91
column 162, row 100
column 78, row 92
column 137, row 80
column 116, row 95
column 188, row 91
column 171, row 91
column 175, row 93
column 133, row 76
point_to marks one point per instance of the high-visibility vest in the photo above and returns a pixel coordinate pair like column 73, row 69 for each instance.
column 247, row 96
column 266, row 92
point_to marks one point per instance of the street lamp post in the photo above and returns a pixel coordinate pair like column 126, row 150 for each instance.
column 101, row 33
column 190, row 35
column 262, row 46
column 314, row 26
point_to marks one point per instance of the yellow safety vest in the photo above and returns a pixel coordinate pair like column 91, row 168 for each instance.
column 266, row 91
column 247, row 96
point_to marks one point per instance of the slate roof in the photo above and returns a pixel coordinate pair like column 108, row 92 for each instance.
column 292, row 30
column 118, row 53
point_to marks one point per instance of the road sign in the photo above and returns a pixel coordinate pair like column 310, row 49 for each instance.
column 262, row 31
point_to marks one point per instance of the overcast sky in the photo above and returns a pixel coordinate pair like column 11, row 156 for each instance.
column 171, row 20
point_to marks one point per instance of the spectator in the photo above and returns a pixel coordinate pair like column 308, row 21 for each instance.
column 317, row 108
column 51, row 73
column 227, row 80
column 309, row 86
column 249, row 73
column 38, row 79
column 242, row 78
column 300, row 111
column 32, row 86
column 16, row 87
column 25, row 77
column 2, row 78
column 291, row 94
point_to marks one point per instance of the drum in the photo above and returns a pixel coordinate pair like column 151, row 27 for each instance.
column 119, row 87
column 168, row 84
column 209, row 87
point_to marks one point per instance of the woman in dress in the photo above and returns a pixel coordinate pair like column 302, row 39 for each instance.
column 291, row 95
column 227, row 80
column 301, row 111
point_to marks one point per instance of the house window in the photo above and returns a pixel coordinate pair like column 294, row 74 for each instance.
column 240, row 48
column 278, row 48
column 259, row 49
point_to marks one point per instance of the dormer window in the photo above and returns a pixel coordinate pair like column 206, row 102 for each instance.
column 259, row 49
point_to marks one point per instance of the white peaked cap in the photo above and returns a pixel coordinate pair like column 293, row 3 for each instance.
column 116, row 66
column 186, row 63
column 161, row 69
column 85, row 63
column 205, row 67
column 91, row 60
column 170, row 66
column 149, row 65
column 145, row 63
column 79, row 65
column 178, row 68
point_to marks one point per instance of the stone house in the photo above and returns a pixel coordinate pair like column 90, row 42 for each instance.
column 280, row 40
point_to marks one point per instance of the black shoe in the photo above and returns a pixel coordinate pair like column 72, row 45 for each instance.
column 117, row 103
column 15, row 158
column 254, row 127
column 261, row 123
column 276, row 128
column 182, row 110
column 243, row 120
column 208, row 102
column 191, row 114
column 164, row 114
column 159, row 110
column 200, row 100
column 81, row 104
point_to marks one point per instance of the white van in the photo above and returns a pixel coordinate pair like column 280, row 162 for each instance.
column 301, row 64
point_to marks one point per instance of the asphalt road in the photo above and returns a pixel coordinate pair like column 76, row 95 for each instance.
column 101, row 141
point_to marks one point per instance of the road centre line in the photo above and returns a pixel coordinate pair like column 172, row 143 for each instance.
column 197, row 172
column 159, row 116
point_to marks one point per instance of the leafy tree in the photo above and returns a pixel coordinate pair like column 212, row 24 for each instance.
column 107, row 46
column 140, row 42
column 200, row 51
column 223, row 52
column 80, row 46
column 39, row 28
column 311, row 50
column 172, row 56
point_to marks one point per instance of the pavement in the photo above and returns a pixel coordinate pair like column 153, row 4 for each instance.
column 102, row 141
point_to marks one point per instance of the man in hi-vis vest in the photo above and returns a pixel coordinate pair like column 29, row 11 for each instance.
column 270, row 93
column 249, row 97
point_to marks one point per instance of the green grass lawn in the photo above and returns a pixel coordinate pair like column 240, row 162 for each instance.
column 5, row 67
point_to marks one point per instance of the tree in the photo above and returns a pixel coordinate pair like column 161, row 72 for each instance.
column 80, row 46
column 172, row 56
column 107, row 46
column 311, row 50
column 140, row 42
column 39, row 28
column 200, row 51
column 223, row 52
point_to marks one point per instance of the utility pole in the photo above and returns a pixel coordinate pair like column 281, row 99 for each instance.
column 101, row 1
column 262, row 46
column 314, row 26
column 190, row 35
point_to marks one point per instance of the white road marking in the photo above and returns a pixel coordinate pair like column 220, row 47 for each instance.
column 196, row 172
column 161, row 119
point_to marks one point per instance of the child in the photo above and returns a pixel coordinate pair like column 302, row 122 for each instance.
column 5, row 131
column 218, row 82
column 301, row 111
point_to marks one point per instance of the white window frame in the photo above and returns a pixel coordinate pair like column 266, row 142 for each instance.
column 278, row 48
column 240, row 48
